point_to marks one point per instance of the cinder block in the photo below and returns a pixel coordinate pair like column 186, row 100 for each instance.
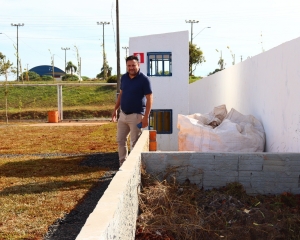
column 209, row 184
column 251, row 162
column 250, row 167
column 205, row 164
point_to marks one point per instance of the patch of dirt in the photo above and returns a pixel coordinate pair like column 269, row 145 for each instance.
column 169, row 210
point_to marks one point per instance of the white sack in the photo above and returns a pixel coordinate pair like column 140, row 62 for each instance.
column 236, row 132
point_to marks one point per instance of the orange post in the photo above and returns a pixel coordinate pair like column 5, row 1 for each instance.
column 152, row 135
column 152, row 142
column 53, row 116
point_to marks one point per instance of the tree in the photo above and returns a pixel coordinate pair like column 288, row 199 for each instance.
column 232, row 55
column 79, row 64
column 5, row 69
column 102, row 73
column 221, row 60
column 71, row 67
column 195, row 57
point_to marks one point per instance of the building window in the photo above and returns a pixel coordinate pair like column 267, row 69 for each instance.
column 161, row 121
column 159, row 64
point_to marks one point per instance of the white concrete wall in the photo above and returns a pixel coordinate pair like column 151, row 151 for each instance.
column 115, row 214
column 168, row 92
column 266, row 86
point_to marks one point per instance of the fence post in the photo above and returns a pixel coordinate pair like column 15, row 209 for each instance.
column 60, row 102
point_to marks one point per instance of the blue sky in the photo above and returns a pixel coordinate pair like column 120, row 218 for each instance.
column 247, row 27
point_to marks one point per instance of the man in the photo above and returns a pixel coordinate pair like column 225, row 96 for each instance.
column 135, row 100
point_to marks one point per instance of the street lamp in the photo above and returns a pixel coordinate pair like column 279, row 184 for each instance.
column 201, row 31
column 104, row 57
column 191, row 22
column 126, row 48
column 17, row 25
column 65, row 56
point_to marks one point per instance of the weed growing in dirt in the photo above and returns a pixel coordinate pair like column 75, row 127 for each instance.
column 169, row 210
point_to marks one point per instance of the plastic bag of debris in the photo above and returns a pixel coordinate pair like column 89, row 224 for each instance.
column 218, row 131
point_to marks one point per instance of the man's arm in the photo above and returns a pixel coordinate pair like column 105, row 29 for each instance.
column 117, row 106
column 149, row 98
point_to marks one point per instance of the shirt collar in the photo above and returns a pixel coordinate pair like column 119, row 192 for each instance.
column 138, row 73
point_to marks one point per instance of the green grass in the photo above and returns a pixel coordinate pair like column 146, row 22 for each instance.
column 31, row 97
column 193, row 79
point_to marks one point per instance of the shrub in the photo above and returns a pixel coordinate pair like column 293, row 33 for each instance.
column 84, row 78
column 216, row 70
column 69, row 77
column 32, row 76
column 99, row 75
column 112, row 79
column 47, row 78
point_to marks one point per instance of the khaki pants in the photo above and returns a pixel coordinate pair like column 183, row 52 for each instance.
column 127, row 124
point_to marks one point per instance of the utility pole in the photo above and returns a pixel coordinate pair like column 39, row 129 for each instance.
column 17, row 25
column 126, row 48
column 191, row 22
column 27, row 75
column 118, row 48
column 104, row 55
column 66, row 48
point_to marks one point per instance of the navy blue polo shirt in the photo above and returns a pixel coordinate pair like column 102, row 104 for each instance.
column 133, row 98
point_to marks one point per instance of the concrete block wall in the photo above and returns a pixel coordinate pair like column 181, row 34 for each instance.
column 259, row 173
column 115, row 214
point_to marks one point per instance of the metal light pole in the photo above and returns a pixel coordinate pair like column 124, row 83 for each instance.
column 17, row 25
column 118, row 48
column 126, row 48
column 66, row 48
column 191, row 22
column 104, row 55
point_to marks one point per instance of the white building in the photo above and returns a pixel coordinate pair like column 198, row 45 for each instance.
column 165, row 59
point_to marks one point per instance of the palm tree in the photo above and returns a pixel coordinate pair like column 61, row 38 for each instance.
column 71, row 67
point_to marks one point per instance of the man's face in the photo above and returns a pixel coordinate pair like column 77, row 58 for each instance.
column 132, row 67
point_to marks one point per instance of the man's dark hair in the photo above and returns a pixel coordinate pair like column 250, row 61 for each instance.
column 132, row 57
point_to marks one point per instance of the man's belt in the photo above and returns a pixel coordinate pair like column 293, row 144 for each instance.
column 128, row 113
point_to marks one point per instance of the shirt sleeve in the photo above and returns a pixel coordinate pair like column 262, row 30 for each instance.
column 147, row 86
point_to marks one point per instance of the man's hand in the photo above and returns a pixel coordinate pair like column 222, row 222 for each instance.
column 145, row 122
column 114, row 116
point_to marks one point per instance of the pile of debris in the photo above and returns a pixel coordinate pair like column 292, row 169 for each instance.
column 169, row 210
